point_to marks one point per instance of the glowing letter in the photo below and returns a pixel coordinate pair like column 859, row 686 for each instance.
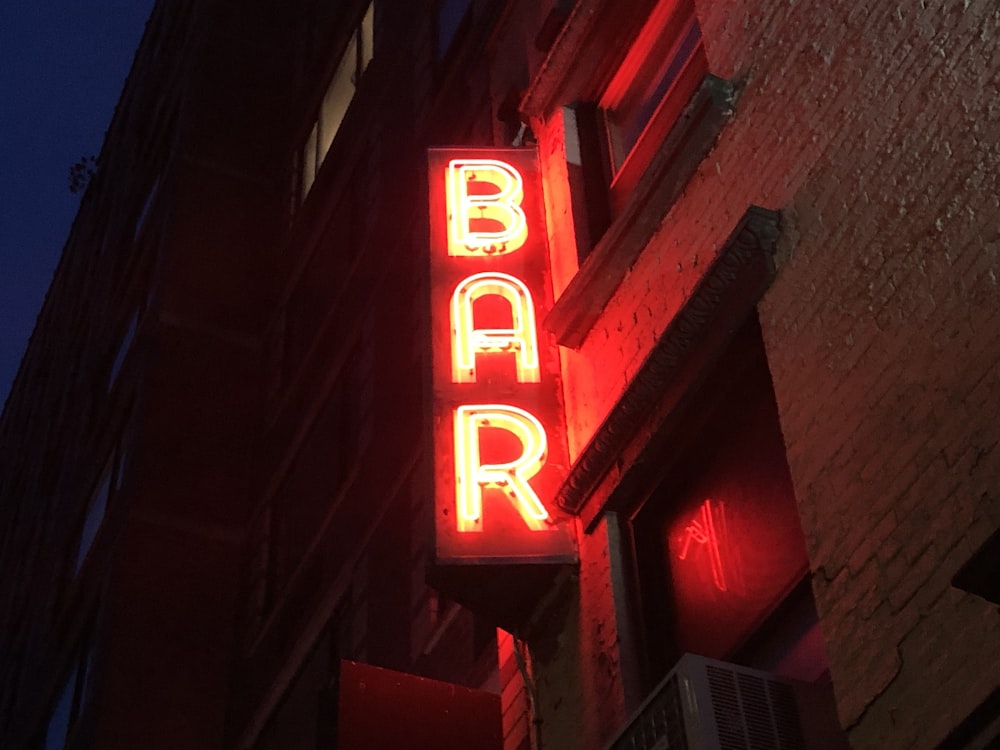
column 702, row 531
column 498, row 216
column 472, row 476
column 467, row 340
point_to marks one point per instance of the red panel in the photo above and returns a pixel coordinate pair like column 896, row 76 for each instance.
column 379, row 709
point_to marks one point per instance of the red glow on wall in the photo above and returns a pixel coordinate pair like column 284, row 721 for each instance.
column 500, row 448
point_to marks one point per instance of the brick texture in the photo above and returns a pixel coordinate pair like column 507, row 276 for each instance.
column 578, row 658
column 873, row 130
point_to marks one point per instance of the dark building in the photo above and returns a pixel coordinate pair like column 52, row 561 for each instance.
column 721, row 461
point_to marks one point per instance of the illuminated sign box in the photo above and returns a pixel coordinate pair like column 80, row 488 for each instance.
column 499, row 430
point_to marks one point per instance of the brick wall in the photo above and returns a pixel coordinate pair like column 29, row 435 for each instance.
column 872, row 129
column 882, row 336
column 576, row 654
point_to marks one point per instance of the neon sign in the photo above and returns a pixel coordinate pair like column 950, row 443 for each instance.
column 704, row 530
column 500, row 447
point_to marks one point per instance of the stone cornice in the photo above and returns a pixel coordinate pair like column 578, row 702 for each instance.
column 724, row 296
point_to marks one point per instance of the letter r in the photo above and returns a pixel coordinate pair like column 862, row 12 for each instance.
column 472, row 476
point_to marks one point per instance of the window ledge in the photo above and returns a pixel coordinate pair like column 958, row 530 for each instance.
column 685, row 147
column 725, row 295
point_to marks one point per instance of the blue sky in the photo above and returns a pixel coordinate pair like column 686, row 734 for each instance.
column 62, row 67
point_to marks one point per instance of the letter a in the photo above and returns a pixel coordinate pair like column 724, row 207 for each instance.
column 483, row 221
column 467, row 340
column 472, row 476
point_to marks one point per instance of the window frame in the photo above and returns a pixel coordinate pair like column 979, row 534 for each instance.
column 659, row 75
column 94, row 514
column 345, row 80
column 62, row 718
column 451, row 21
column 650, row 589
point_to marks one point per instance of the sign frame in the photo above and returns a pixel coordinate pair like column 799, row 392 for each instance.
column 496, row 374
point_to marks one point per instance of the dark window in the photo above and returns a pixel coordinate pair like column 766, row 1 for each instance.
column 611, row 144
column 107, row 486
column 316, row 479
column 450, row 15
column 318, row 290
column 307, row 715
column 93, row 518
column 981, row 574
column 587, row 174
column 70, row 701
column 721, row 556
column 124, row 346
column 260, row 573
column 660, row 73
column 336, row 100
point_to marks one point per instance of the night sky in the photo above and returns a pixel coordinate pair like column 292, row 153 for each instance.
column 62, row 67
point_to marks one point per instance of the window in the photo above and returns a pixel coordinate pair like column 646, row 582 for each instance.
column 336, row 100
column 631, row 149
column 94, row 516
column 307, row 715
column 260, row 573
column 660, row 73
column 140, row 221
column 980, row 575
column 312, row 303
column 70, row 701
column 449, row 18
column 721, row 554
column 59, row 721
column 109, row 483
column 317, row 475
column 123, row 348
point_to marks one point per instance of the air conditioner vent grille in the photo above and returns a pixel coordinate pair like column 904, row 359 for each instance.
column 761, row 733
column 707, row 704
column 786, row 716
column 726, row 707
column 753, row 712
column 661, row 724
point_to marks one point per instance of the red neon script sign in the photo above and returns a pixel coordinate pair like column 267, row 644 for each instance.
column 500, row 448
column 704, row 530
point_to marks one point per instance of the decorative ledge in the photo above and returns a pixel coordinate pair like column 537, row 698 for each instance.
column 723, row 298
column 685, row 147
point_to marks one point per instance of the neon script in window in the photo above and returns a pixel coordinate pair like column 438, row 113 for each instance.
column 703, row 531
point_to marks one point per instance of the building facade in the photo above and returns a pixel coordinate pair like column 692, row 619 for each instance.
column 754, row 252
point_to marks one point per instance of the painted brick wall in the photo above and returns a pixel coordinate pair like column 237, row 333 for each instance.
column 574, row 662
column 882, row 333
column 874, row 131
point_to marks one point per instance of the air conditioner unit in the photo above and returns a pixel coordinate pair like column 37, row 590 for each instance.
column 705, row 704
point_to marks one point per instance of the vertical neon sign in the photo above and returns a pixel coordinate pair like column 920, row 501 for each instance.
column 500, row 448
